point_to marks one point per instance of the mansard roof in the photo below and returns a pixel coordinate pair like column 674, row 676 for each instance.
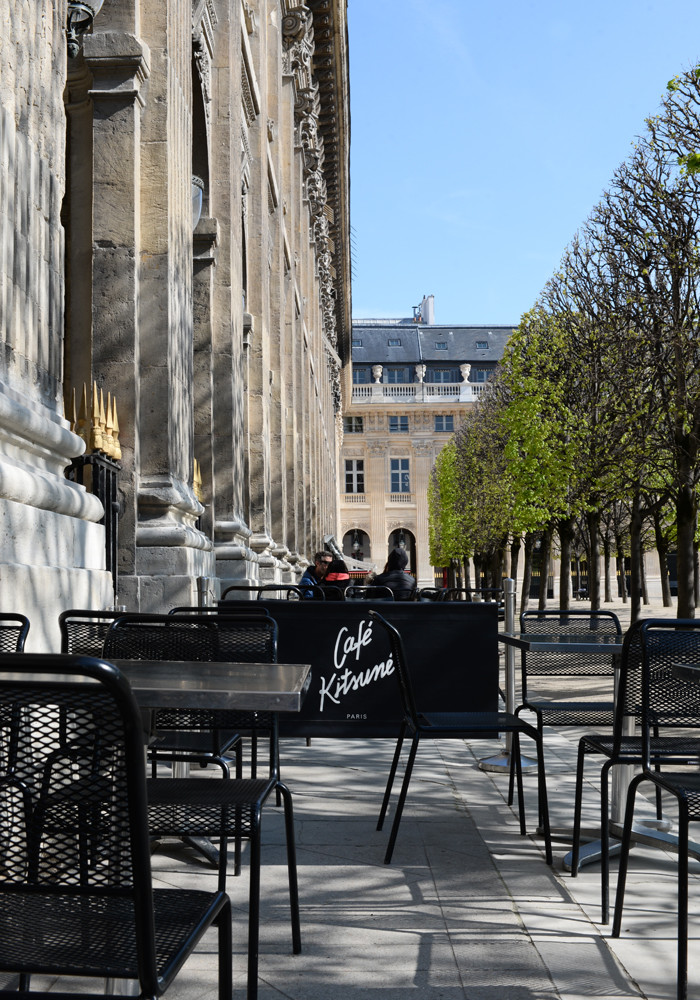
column 391, row 342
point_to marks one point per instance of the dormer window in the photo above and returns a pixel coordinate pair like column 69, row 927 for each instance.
column 393, row 342
column 482, row 345
column 440, row 345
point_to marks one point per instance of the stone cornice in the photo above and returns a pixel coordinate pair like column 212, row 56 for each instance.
column 120, row 64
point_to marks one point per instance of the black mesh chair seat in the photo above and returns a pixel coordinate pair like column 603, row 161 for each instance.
column 453, row 725
column 76, row 896
column 205, row 802
column 659, row 700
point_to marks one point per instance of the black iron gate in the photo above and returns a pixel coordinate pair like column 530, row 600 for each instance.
column 99, row 475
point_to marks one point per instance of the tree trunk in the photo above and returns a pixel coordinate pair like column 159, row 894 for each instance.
column 621, row 575
column 662, row 549
column 607, row 553
column 565, row 529
column 635, row 559
column 593, row 522
column 545, row 551
column 514, row 557
column 527, row 572
column 685, row 526
column 467, row 573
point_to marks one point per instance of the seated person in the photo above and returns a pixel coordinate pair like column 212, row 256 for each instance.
column 313, row 575
column 396, row 577
column 336, row 579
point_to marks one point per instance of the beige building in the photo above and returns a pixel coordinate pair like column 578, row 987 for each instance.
column 174, row 237
column 413, row 382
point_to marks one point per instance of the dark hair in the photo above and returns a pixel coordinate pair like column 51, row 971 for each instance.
column 320, row 556
column 398, row 559
column 337, row 566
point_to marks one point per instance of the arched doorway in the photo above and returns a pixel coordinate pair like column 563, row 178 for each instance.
column 402, row 538
column 356, row 544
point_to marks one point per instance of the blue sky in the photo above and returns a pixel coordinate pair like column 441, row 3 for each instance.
column 483, row 133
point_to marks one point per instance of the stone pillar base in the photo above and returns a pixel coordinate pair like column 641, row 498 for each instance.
column 51, row 562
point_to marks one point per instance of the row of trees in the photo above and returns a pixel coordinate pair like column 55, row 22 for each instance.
column 596, row 408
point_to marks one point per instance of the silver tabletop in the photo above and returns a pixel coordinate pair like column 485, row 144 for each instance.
column 554, row 643
column 254, row 687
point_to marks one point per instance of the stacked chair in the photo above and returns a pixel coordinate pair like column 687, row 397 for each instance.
column 232, row 808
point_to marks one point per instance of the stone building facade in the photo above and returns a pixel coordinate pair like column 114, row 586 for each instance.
column 413, row 382
column 221, row 349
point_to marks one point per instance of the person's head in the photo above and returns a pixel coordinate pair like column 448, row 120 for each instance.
column 398, row 559
column 337, row 570
column 322, row 561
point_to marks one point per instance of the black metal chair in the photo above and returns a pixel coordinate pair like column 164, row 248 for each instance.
column 83, row 632
column 14, row 630
column 368, row 593
column 191, row 807
column 569, row 664
column 248, row 608
column 625, row 747
column 453, row 725
column 668, row 702
column 456, row 594
column 76, row 895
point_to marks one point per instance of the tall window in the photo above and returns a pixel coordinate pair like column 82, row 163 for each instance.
column 479, row 375
column 354, row 475
column 353, row 425
column 394, row 376
column 360, row 376
column 398, row 425
column 445, row 422
column 443, row 375
column 400, row 478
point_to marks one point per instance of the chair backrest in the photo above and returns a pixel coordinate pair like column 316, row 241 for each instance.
column 428, row 594
column 214, row 637
column 400, row 666
column 74, row 816
column 667, row 701
column 286, row 592
column 83, row 632
column 249, row 608
column 239, row 590
column 368, row 593
column 456, row 594
column 13, row 633
column 567, row 663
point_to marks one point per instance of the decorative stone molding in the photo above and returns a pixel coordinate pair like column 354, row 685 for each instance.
column 204, row 20
column 120, row 65
column 205, row 240
column 168, row 509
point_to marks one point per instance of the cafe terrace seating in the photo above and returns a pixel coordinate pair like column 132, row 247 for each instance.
column 625, row 746
column 76, row 895
column 671, row 704
column 231, row 808
column 452, row 725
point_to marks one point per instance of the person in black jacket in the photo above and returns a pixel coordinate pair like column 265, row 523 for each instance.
column 395, row 576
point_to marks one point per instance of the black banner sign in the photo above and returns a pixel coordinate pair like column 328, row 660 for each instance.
column 451, row 649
